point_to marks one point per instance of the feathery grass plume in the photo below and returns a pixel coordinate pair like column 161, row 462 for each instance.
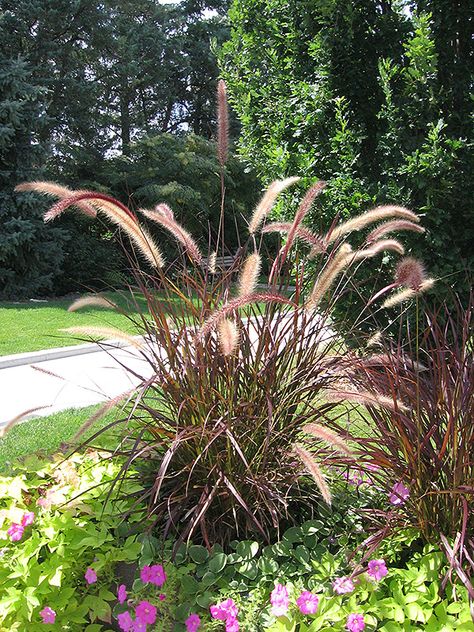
column 300, row 214
column 165, row 210
column 266, row 203
column 236, row 304
column 250, row 273
column 374, row 340
column 408, row 293
column 228, row 336
column 91, row 301
column 382, row 245
column 222, row 123
column 329, row 436
column 312, row 467
column 374, row 215
column 13, row 422
column 410, row 273
column 390, row 227
column 302, row 233
column 366, row 398
column 108, row 333
column 119, row 214
column 212, row 263
column 178, row 232
column 343, row 257
column 103, row 410
column 56, row 190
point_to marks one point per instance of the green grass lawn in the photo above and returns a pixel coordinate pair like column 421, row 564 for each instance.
column 31, row 326
column 47, row 434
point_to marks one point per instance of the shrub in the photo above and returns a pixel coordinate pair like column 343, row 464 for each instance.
column 422, row 445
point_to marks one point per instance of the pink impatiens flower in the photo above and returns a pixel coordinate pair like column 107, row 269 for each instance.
column 280, row 600
column 355, row 623
column 224, row 610
column 192, row 623
column 162, row 597
column 48, row 615
column 231, row 625
column 377, row 569
column 15, row 532
column 343, row 585
column 125, row 621
column 146, row 612
column 27, row 519
column 153, row 574
column 399, row 494
column 122, row 593
column 138, row 626
column 91, row 576
column 307, row 602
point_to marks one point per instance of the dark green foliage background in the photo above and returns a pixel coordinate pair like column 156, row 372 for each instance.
column 370, row 97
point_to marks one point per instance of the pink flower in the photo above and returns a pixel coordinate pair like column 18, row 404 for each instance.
column 399, row 494
column 343, row 585
column 231, row 625
column 48, row 615
column 279, row 600
column 28, row 518
column 157, row 575
column 15, row 532
column 224, row 610
column 138, row 626
column 145, row 574
column 355, row 623
column 192, row 623
column 122, row 593
column 91, row 576
column 125, row 621
column 162, row 597
column 146, row 612
column 307, row 602
column 377, row 569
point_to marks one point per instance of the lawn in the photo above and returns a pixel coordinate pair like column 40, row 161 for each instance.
column 33, row 326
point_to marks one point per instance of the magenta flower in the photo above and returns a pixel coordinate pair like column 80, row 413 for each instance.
column 279, row 600
column 343, row 585
column 122, row 593
column 28, row 518
column 231, row 625
column 138, row 626
column 157, row 575
column 192, row 623
column 307, row 602
column 162, row 597
column 146, row 612
column 15, row 532
column 377, row 569
column 399, row 494
column 224, row 610
column 125, row 621
column 91, row 576
column 48, row 615
column 355, row 623
column 145, row 574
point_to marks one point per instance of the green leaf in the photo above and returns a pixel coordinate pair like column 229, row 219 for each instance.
column 217, row 562
column 247, row 549
column 198, row 553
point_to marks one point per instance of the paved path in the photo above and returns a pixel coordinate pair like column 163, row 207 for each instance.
column 86, row 378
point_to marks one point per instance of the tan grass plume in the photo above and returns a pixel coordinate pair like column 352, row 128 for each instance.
column 406, row 294
column 91, row 301
column 393, row 226
column 162, row 218
column 302, row 233
column 268, row 200
column 222, row 123
column 107, row 333
column 313, row 468
column 228, row 336
column 342, row 258
column 329, row 436
column 13, row 422
column 56, row 190
column 250, row 273
column 374, row 215
column 366, row 398
column 103, row 410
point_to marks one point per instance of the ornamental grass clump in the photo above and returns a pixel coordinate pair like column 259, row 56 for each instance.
column 228, row 423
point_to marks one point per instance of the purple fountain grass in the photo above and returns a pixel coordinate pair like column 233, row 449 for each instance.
column 91, row 301
column 302, row 233
column 249, row 276
column 268, row 200
column 53, row 189
column 222, row 123
column 391, row 227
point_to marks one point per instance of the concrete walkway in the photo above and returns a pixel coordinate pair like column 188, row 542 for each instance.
column 71, row 377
